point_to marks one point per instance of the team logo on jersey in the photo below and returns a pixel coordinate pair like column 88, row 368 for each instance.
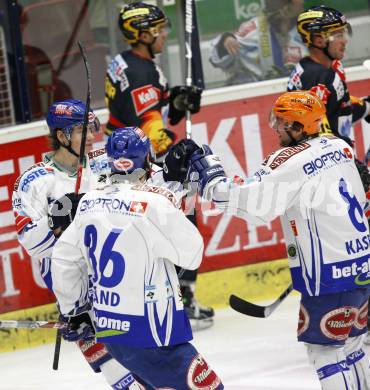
column 200, row 376
column 337, row 324
column 292, row 251
column 361, row 319
column 145, row 97
column 303, row 320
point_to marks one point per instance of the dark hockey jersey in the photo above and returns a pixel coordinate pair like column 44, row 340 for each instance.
column 136, row 93
column 330, row 85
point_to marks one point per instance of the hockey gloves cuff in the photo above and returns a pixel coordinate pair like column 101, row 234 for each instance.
column 182, row 99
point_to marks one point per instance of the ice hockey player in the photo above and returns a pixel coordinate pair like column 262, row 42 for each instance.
column 312, row 184
column 137, row 94
column 326, row 32
column 35, row 192
column 128, row 236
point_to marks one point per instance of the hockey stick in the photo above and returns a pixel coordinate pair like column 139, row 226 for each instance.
column 13, row 324
column 58, row 339
column 250, row 309
column 86, row 120
column 188, row 56
column 366, row 64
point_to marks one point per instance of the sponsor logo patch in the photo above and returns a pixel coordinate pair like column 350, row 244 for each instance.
column 361, row 319
column 200, row 376
column 337, row 324
column 303, row 320
column 34, row 175
column 145, row 97
column 287, row 153
column 159, row 190
column 327, row 160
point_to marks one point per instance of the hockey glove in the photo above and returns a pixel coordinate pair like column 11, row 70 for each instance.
column 63, row 210
column 182, row 99
column 204, row 167
column 80, row 326
column 176, row 162
column 367, row 102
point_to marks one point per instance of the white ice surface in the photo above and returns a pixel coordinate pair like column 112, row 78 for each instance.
column 247, row 353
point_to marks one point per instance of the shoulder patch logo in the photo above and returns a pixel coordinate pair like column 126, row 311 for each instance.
column 287, row 153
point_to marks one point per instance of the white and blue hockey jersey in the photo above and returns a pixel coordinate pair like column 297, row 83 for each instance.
column 316, row 191
column 36, row 189
column 128, row 238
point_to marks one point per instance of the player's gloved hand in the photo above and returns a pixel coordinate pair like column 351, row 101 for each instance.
column 367, row 102
column 175, row 165
column 204, row 167
column 80, row 326
column 63, row 210
column 364, row 174
column 182, row 99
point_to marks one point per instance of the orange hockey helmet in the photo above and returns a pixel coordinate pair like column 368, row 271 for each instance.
column 302, row 107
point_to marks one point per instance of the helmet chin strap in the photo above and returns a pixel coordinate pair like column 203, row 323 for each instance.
column 150, row 46
column 70, row 150
column 325, row 50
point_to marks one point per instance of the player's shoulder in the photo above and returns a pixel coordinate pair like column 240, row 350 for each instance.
column 286, row 156
column 316, row 71
column 158, row 194
column 98, row 161
column 36, row 173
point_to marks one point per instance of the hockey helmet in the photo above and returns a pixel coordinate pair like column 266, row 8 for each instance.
column 137, row 17
column 320, row 20
column 298, row 107
column 127, row 149
column 67, row 114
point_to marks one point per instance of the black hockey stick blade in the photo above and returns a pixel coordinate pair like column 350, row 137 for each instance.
column 58, row 342
column 253, row 310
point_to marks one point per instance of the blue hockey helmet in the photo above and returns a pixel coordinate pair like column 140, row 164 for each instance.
column 127, row 149
column 66, row 114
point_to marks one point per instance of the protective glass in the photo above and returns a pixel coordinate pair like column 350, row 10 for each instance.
column 278, row 123
column 342, row 34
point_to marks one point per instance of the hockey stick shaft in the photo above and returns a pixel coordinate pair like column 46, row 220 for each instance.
column 188, row 57
column 250, row 309
column 366, row 64
column 81, row 159
column 86, row 120
column 13, row 324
